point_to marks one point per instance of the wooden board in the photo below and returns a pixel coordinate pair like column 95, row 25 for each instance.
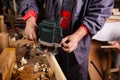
column 55, row 67
column 1, row 23
column 7, row 60
column 4, row 41
column 101, row 59
column 4, row 36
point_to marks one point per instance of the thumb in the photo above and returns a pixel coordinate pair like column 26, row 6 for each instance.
column 64, row 39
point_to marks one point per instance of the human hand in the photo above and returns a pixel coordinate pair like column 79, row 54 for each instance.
column 30, row 29
column 72, row 40
column 115, row 44
column 70, row 43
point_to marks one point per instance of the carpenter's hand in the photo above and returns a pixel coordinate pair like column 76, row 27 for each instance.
column 70, row 43
column 115, row 44
column 30, row 29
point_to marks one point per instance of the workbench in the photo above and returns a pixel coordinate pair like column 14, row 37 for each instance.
column 110, row 32
column 10, row 56
column 102, row 58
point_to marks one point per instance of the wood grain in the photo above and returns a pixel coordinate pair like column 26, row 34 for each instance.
column 7, row 60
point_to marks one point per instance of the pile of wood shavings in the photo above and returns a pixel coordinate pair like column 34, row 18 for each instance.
column 36, row 68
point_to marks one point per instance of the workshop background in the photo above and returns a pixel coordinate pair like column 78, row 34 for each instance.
column 104, row 60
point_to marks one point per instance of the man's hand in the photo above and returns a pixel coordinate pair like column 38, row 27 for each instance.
column 70, row 43
column 115, row 44
column 30, row 29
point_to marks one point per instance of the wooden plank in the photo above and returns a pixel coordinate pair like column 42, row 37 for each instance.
column 2, row 23
column 102, row 60
column 4, row 36
column 7, row 60
column 4, row 41
column 108, row 46
column 15, row 9
column 114, row 70
column 55, row 67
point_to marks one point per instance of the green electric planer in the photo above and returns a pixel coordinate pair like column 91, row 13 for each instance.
column 49, row 34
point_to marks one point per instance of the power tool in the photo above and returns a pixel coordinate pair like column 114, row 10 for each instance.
column 49, row 35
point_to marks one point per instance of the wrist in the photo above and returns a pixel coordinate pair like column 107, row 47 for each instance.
column 85, row 28
column 80, row 33
column 29, row 14
column 31, row 19
column 31, row 22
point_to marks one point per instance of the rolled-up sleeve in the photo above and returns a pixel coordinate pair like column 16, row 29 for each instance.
column 97, row 13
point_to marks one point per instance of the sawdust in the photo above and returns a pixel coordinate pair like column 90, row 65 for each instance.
column 36, row 56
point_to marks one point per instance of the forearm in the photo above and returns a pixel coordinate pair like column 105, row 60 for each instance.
column 81, row 32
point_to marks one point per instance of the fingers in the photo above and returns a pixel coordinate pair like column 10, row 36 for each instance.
column 68, row 44
column 64, row 39
column 69, row 47
column 69, row 50
column 31, row 37
column 30, row 33
column 65, row 42
column 115, row 43
column 30, row 29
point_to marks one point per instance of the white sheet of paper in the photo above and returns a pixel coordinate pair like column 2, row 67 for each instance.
column 110, row 31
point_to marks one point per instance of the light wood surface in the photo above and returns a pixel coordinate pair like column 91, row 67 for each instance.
column 4, row 37
column 55, row 67
column 2, row 23
column 108, row 46
column 102, row 60
column 7, row 60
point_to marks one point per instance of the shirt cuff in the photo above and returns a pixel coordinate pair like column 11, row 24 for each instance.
column 29, row 14
column 85, row 28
